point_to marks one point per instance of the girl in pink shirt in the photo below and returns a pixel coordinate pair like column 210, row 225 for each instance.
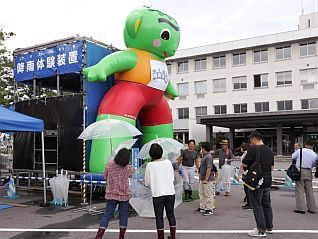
column 117, row 173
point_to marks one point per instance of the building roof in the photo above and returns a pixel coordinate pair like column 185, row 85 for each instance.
column 59, row 42
column 262, row 120
column 265, row 40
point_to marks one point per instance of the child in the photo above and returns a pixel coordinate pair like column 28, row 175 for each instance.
column 117, row 175
column 216, row 174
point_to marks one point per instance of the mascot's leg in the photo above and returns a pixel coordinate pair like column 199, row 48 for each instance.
column 156, row 122
column 123, row 101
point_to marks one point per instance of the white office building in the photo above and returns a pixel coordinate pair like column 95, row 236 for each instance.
column 269, row 83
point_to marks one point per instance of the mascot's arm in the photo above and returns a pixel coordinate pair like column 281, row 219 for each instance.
column 171, row 92
column 115, row 62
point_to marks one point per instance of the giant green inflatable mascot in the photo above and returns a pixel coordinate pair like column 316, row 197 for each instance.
column 141, row 78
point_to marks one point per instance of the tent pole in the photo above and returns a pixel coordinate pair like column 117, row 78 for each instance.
column 43, row 167
column 58, row 83
column 34, row 88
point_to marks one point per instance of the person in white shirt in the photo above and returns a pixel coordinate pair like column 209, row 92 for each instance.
column 304, row 185
column 159, row 176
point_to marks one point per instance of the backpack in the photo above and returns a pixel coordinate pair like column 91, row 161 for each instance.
column 253, row 177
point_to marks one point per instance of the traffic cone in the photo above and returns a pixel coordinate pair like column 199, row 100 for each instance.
column 11, row 191
column 288, row 183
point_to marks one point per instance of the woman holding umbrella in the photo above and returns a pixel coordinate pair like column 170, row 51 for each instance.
column 159, row 176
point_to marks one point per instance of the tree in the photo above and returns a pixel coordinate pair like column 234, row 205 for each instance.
column 7, row 90
column 6, row 70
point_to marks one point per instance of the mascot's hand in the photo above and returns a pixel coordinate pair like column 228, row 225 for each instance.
column 171, row 93
column 95, row 73
column 171, row 97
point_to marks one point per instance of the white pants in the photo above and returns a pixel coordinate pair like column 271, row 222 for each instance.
column 188, row 177
column 225, row 178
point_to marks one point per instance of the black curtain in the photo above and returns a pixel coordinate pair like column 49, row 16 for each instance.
column 63, row 113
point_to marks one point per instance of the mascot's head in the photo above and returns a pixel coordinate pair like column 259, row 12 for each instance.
column 152, row 31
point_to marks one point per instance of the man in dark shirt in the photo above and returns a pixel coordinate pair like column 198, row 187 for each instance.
column 206, row 178
column 260, row 199
column 188, row 159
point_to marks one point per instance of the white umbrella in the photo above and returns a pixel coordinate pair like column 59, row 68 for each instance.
column 171, row 148
column 109, row 128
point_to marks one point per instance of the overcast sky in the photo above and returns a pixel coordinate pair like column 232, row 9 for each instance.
column 201, row 21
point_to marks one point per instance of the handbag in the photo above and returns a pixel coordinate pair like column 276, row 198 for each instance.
column 293, row 171
column 253, row 175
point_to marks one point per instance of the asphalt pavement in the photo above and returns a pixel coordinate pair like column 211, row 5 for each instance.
column 228, row 221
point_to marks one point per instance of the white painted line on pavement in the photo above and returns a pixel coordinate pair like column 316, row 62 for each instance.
column 154, row 231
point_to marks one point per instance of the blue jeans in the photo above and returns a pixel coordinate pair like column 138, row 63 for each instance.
column 260, row 201
column 109, row 212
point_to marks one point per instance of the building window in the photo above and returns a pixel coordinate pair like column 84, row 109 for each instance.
column 240, row 83
column 283, row 53
column 307, row 49
column 182, row 137
column 261, row 56
column 219, row 61
column 219, row 85
column 200, row 64
column 308, row 76
column 261, row 106
column 183, row 66
column 239, row 59
column 220, row 109
column 183, row 113
column 240, row 108
column 261, row 80
column 309, row 104
column 201, row 110
column 284, row 105
column 169, row 65
column 183, row 89
column 284, row 78
column 200, row 87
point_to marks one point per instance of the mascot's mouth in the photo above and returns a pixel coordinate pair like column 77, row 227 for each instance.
column 165, row 54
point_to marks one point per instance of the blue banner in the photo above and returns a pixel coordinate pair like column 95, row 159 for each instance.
column 65, row 58
column 135, row 158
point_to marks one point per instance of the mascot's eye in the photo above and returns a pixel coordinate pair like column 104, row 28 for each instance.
column 165, row 34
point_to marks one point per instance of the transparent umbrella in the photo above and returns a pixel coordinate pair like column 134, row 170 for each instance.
column 141, row 199
column 109, row 128
column 171, row 148
column 126, row 144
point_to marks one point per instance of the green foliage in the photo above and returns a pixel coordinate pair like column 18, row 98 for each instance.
column 24, row 91
column 6, row 70
column 218, row 138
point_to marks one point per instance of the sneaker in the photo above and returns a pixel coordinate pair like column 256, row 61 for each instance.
column 227, row 194
column 199, row 210
column 247, row 207
column 208, row 213
column 217, row 193
column 300, row 212
column 269, row 231
column 256, row 233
